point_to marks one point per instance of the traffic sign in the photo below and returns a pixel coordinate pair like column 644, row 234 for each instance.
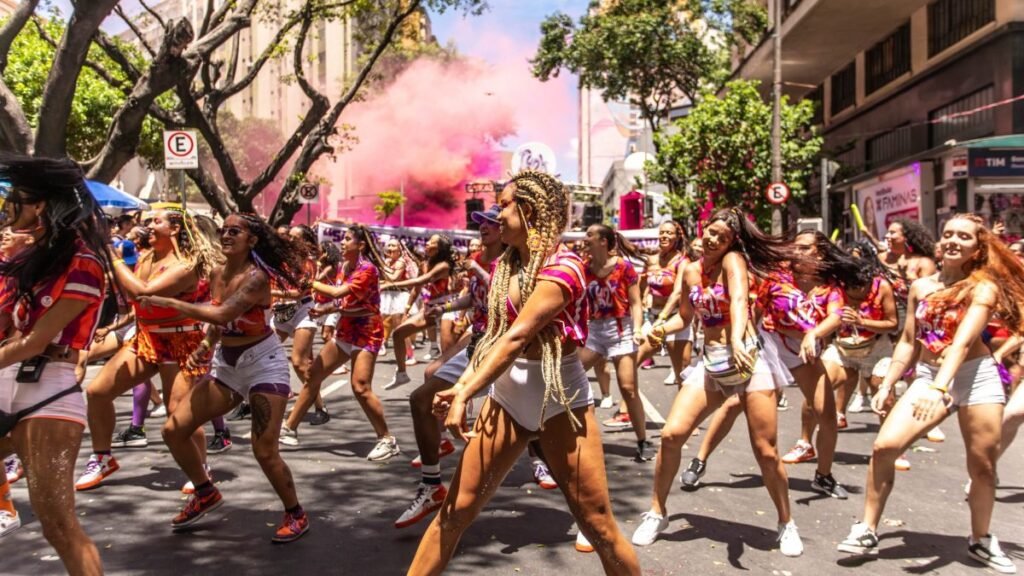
column 777, row 193
column 180, row 150
column 308, row 193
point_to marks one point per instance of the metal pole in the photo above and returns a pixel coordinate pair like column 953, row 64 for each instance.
column 401, row 205
column 181, row 189
column 309, row 210
column 824, row 197
column 777, row 108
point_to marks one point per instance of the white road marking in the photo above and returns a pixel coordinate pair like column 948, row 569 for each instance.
column 652, row 413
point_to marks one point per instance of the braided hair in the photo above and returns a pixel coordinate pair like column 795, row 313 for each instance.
column 273, row 254
column 192, row 245
column 549, row 204
column 370, row 251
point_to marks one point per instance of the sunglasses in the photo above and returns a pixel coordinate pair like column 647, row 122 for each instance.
column 231, row 231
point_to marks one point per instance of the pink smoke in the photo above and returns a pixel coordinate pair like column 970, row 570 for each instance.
column 439, row 126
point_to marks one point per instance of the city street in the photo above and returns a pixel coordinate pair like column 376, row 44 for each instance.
column 728, row 526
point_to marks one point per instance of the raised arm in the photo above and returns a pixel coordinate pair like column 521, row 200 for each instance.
column 172, row 281
column 439, row 271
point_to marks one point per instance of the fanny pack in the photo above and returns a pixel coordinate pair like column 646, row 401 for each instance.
column 285, row 311
column 719, row 364
column 852, row 348
column 9, row 420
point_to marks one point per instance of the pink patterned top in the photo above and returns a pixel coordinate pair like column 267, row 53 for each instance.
column 566, row 269
column 787, row 307
column 870, row 308
column 609, row 296
column 937, row 322
column 663, row 280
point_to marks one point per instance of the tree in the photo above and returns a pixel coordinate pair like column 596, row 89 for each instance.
column 723, row 148
column 651, row 53
column 202, row 68
column 390, row 200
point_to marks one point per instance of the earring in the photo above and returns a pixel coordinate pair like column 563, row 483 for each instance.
column 533, row 241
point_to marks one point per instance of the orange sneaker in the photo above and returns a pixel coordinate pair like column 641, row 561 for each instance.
column 197, row 507
column 429, row 497
column 291, row 529
column 620, row 420
column 98, row 469
column 802, row 452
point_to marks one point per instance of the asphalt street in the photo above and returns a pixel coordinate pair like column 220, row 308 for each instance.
column 726, row 527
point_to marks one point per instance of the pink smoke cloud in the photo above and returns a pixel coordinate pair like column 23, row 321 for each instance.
column 439, row 126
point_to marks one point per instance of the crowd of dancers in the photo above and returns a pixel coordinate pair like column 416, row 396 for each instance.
column 515, row 326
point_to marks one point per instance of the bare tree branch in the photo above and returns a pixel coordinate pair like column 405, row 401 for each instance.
column 55, row 109
column 238, row 19
column 218, row 199
column 298, row 61
column 138, row 33
column 257, row 65
column 154, row 14
column 13, row 27
column 232, row 61
column 110, row 48
column 207, row 15
column 195, row 118
column 15, row 132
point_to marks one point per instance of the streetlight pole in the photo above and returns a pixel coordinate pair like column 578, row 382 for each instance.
column 777, row 108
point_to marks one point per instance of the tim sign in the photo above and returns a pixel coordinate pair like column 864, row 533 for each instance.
column 989, row 162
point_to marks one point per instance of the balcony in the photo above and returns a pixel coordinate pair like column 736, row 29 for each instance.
column 821, row 36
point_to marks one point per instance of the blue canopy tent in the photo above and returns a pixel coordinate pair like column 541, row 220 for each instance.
column 110, row 197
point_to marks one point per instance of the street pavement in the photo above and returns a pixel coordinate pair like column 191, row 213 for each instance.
column 728, row 526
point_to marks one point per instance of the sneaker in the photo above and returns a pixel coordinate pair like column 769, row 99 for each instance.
column 859, row 403
column 241, row 412
column 936, row 435
column 343, row 369
column 542, row 476
column 827, row 485
column 428, row 356
column 429, row 497
column 130, row 437
column 221, row 442
column 9, row 522
column 607, row 402
column 320, row 418
column 647, row 364
column 159, row 412
column 641, row 451
column 693, row 473
column 861, row 540
column 841, row 422
column 444, row 449
column 651, row 524
column 197, row 507
column 988, row 552
column 288, row 436
column 291, row 529
column 13, row 468
column 582, row 544
column 382, row 352
column 97, row 470
column 902, row 464
column 782, row 404
column 399, row 379
column 789, row 540
column 189, row 488
column 669, row 380
column 386, row 449
column 411, row 361
column 620, row 420
column 802, row 452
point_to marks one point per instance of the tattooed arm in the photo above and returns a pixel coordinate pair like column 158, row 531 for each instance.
column 255, row 289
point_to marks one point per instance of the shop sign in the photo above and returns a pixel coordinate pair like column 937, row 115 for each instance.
column 893, row 197
column 956, row 167
column 992, row 162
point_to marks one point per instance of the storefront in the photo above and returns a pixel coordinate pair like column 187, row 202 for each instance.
column 904, row 192
column 986, row 177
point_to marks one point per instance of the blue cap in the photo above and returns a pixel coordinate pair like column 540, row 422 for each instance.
column 489, row 215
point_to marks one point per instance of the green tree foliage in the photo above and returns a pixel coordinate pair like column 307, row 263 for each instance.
column 723, row 150
column 652, row 53
column 96, row 98
column 389, row 201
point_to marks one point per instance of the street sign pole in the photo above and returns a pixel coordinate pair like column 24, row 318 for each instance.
column 777, row 220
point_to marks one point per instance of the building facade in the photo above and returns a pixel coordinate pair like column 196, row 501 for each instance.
column 919, row 102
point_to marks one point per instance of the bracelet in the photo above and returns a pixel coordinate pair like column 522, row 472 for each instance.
column 939, row 388
column 205, row 344
column 117, row 261
column 448, row 306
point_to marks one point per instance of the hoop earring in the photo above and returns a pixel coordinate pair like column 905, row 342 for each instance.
column 534, row 242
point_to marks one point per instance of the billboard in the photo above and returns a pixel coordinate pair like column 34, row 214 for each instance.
column 896, row 195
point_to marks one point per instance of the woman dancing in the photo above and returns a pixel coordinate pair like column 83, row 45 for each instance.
column 536, row 301
column 662, row 271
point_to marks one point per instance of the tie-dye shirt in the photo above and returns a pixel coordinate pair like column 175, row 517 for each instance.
column 786, row 307
column 936, row 322
column 609, row 296
column 662, row 281
column 364, row 283
column 710, row 301
column 871, row 309
column 566, row 269
column 83, row 280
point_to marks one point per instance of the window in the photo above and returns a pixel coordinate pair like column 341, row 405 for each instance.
column 888, row 60
column 844, row 88
column 950, row 21
column 888, row 147
column 817, row 96
column 966, row 126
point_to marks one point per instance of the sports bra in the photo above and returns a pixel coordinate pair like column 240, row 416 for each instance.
column 565, row 268
column 662, row 281
column 937, row 322
column 710, row 301
column 251, row 323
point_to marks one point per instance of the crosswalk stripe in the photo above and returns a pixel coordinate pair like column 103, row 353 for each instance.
column 652, row 413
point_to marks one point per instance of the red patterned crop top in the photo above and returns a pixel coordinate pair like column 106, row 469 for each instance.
column 937, row 322
column 567, row 270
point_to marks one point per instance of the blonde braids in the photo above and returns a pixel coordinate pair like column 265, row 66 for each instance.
column 550, row 210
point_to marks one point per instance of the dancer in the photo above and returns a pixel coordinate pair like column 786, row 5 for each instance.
column 52, row 294
column 440, row 263
column 394, row 301
column 178, row 265
column 735, row 363
column 359, row 337
column 662, row 271
column 291, row 306
column 956, row 373
column 247, row 363
column 539, row 387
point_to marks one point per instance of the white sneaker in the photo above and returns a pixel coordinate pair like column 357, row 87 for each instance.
column 988, row 552
column 13, row 468
column 411, row 361
column 858, row 403
column 542, row 476
column 288, row 436
column 789, row 540
column 669, row 380
column 936, row 435
column 386, row 449
column 429, row 497
column 651, row 524
column 159, row 412
column 382, row 352
column 9, row 522
column 607, row 402
column 399, row 379
column 582, row 544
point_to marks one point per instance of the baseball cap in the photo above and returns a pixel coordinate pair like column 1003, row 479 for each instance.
column 489, row 215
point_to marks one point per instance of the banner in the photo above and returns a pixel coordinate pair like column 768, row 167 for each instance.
column 895, row 196
column 417, row 237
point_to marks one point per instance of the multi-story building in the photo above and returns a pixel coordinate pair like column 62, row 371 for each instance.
column 921, row 103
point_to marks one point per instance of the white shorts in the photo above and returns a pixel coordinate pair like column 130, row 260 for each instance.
column 976, row 382
column 611, row 337
column 520, row 391
column 56, row 377
column 328, row 320
column 348, row 348
column 264, row 363
column 451, row 370
column 788, row 349
column 125, row 333
column 393, row 302
column 876, row 363
column 299, row 321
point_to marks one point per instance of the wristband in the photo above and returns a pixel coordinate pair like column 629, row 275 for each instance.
column 939, row 388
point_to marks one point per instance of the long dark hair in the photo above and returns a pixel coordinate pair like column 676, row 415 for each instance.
column 837, row 266
column 330, row 254
column 307, row 243
column 616, row 241
column 273, row 254
column 71, row 216
column 917, row 238
column 370, row 251
column 444, row 254
column 764, row 254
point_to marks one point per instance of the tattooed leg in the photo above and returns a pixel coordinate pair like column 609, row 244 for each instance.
column 267, row 414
